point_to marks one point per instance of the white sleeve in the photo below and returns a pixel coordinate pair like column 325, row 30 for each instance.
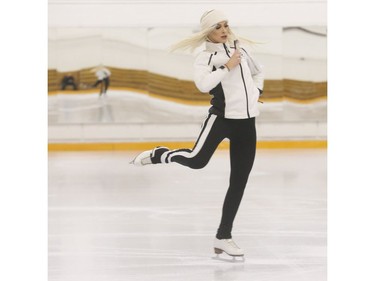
column 107, row 72
column 205, row 79
column 256, row 71
column 258, row 79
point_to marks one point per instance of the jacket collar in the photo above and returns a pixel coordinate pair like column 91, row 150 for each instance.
column 217, row 47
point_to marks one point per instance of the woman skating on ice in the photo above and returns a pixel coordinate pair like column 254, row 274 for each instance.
column 235, row 82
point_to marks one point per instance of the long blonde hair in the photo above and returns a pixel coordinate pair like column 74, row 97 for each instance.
column 197, row 39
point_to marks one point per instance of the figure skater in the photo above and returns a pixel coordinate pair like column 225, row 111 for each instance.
column 235, row 81
column 102, row 73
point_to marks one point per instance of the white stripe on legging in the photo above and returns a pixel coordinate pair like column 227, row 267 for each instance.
column 200, row 143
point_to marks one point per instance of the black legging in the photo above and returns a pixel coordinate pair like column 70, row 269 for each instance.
column 103, row 85
column 242, row 136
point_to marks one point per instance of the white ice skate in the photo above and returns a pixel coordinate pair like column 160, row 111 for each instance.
column 230, row 248
column 149, row 156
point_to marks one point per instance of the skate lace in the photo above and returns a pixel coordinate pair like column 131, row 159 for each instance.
column 231, row 242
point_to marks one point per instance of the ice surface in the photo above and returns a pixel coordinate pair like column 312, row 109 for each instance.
column 109, row 220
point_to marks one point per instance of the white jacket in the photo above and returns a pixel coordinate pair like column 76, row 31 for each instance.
column 235, row 92
column 103, row 73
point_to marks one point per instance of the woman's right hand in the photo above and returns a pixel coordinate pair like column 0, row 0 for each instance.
column 234, row 60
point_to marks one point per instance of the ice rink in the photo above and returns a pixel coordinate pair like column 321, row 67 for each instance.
column 110, row 221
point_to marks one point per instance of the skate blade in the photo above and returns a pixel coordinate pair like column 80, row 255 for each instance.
column 133, row 161
column 232, row 259
column 136, row 164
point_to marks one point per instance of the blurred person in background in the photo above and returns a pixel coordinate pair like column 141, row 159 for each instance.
column 235, row 81
column 102, row 73
column 68, row 80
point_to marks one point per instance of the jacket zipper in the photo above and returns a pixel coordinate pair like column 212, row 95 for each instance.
column 243, row 80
